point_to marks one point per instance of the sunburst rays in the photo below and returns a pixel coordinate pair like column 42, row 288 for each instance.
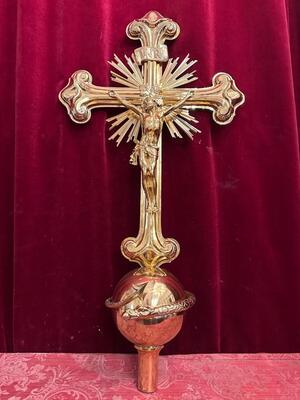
column 179, row 120
column 130, row 123
column 132, row 77
column 174, row 75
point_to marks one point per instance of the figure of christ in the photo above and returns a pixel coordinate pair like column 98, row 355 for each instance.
column 151, row 113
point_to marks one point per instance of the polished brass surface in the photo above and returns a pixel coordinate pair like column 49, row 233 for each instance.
column 149, row 302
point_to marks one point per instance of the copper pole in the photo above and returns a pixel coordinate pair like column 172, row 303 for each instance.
column 147, row 367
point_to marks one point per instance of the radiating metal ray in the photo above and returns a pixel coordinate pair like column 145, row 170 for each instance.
column 173, row 75
column 119, row 118
column 135, row 68
column 172, row 129
column 121, row 132
column 134, row 130
column 132, row 76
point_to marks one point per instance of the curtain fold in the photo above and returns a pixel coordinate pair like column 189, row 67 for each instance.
column 69, row 197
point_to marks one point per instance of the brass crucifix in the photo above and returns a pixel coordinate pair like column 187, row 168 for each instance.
column 151, row 97
column 149, row 302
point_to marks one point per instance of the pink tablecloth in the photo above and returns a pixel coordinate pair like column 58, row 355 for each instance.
column 112, row 376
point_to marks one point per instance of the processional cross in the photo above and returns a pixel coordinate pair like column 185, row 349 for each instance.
column 152, row 95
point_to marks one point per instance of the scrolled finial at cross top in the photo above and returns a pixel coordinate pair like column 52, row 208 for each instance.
column 152, row 30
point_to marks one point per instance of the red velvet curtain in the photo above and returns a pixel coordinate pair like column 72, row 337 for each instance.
column 68, row 196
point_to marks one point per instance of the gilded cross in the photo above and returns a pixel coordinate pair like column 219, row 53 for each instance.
column 153, row 94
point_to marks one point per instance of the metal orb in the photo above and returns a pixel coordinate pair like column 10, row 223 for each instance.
column 148, row 311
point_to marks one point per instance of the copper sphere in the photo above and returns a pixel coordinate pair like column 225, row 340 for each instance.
column 148, row 310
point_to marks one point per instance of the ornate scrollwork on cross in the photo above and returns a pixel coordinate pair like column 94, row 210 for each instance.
column 151, row 95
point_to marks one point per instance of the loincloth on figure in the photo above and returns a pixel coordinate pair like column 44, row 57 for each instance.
column 147, row 154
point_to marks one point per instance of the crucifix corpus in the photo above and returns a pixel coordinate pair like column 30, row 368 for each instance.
column 148, row 303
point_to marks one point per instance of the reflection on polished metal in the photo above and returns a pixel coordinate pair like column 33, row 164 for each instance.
column 148, row 303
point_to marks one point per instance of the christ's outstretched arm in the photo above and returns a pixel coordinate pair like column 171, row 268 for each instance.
column 179, row 103
column 125, row 103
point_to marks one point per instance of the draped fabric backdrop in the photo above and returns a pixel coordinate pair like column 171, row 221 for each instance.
column 69, row 196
